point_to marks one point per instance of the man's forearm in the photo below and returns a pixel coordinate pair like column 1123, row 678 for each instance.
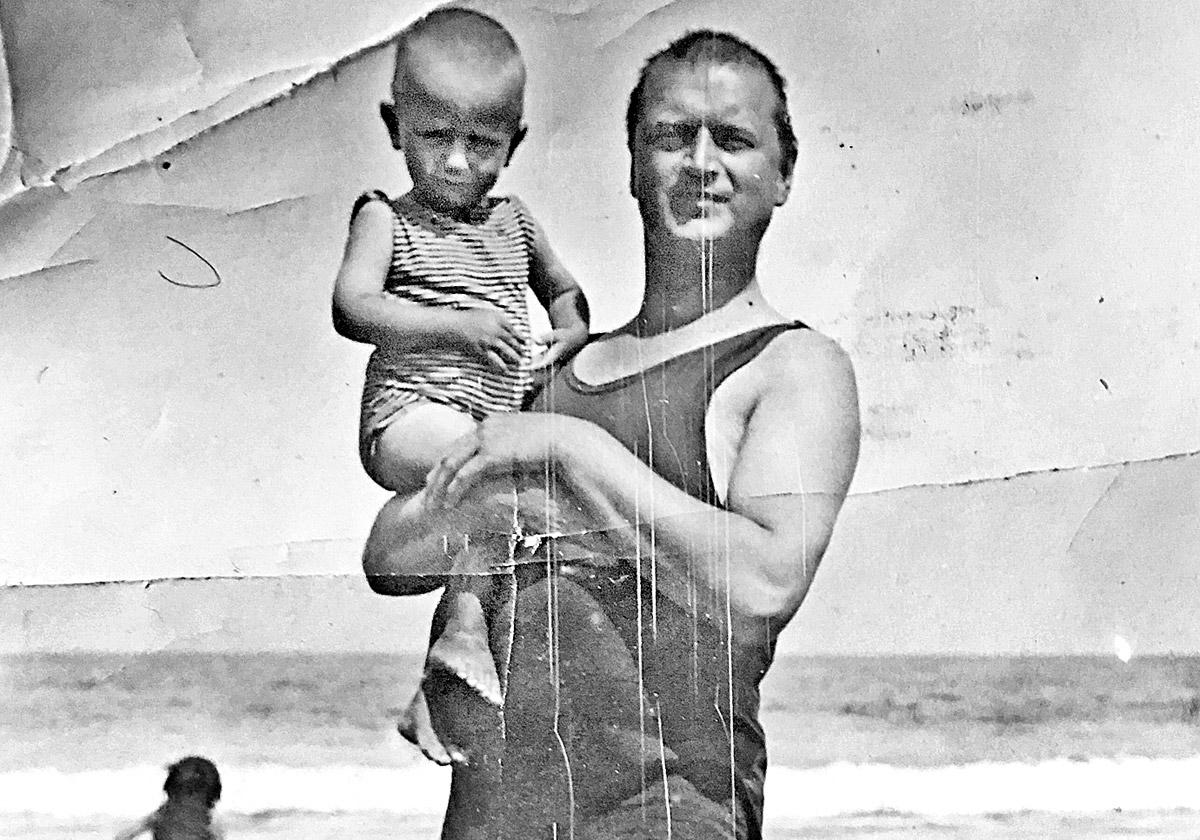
column 683, row 540
column 411, row 549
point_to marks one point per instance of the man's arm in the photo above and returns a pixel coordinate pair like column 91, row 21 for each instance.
column 364, row 312
column 412, row 548
column 787, row 483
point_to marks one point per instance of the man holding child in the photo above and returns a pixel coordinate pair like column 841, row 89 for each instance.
column 690, row 466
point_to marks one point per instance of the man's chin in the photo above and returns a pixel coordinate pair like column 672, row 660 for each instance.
column 701, row 229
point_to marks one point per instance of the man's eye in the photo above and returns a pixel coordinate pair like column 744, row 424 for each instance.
column 734, row 141
column 668, row 139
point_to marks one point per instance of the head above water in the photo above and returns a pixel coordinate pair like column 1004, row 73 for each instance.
column 717, row 48
column 193, row 778
column 459, row 92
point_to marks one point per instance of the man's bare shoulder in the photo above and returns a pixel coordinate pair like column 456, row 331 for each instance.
column 800, row 358
column 797, row 366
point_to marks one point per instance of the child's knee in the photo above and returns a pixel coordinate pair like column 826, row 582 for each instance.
column 402, row 453
column 394, row 463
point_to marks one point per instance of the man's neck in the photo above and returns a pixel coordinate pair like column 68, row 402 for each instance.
column 685, row 281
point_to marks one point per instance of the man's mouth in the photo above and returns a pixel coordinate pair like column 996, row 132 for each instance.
column 694, row 205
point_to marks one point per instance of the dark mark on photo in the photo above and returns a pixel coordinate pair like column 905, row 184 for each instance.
column 216, row 274
column 973, row 102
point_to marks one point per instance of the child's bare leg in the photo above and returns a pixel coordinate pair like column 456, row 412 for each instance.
column 461, row 686
column 400, row 455
column 462, row 648
column 399, row 458
column 416, row 726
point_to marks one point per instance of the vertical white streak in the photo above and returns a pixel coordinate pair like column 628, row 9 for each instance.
column 552, row 624
column 637, row 561
column 650, row 519
column 662, row 758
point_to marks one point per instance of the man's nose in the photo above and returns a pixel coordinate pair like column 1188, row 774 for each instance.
column 456, row 160
column 703, row 153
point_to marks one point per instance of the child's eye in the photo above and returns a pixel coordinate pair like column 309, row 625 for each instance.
column 483, row 146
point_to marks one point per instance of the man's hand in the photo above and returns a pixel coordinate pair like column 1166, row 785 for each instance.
column 489, row 334
column 501, row 447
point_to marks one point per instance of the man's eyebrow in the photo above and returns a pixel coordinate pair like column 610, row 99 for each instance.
column 724, row 125
column 670, row 118
column 732, row 127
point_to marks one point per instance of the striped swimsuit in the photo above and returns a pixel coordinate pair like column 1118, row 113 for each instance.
column 438, row 260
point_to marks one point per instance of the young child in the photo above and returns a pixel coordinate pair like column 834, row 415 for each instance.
column 193, row 787
column 436, row 280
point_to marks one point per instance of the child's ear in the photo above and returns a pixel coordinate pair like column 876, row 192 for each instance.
column 387, row 110
column 516, row 141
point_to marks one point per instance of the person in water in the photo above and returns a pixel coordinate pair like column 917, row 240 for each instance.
column 193, row 787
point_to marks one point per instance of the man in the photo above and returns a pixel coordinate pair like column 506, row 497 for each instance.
column 697, row 458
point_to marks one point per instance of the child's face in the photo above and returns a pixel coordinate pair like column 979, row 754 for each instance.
column 457, row 132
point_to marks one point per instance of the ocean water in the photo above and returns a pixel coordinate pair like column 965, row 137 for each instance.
column 860, row 747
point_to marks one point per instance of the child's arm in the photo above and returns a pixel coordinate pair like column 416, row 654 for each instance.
column 362, row 311
column 556, row 289
column 135, row 830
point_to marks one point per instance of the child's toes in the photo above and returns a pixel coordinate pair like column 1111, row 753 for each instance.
column 417, row 728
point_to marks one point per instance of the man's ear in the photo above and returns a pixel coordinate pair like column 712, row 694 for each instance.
column 783, row 187
column 387, row 110
column 516, row 141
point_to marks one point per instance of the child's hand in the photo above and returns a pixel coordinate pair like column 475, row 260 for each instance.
column 489, row 334
column 560, row 343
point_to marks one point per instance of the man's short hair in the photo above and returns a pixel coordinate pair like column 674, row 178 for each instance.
column 705, row 45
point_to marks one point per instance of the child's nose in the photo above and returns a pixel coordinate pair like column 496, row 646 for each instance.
column 457, row 158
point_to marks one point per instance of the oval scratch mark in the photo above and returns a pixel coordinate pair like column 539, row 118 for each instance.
column 216, row 274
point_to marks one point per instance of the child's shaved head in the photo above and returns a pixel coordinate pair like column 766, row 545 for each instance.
column 459, row 101
column 464, row 56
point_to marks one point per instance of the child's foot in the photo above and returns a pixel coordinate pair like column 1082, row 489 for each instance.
column 462, row 650
column 471, row 730
column 417, row 728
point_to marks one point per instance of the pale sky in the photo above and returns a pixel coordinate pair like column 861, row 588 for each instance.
column 988, row 215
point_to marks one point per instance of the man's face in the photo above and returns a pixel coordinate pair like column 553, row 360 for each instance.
column 457, row 133
column 706, row 161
